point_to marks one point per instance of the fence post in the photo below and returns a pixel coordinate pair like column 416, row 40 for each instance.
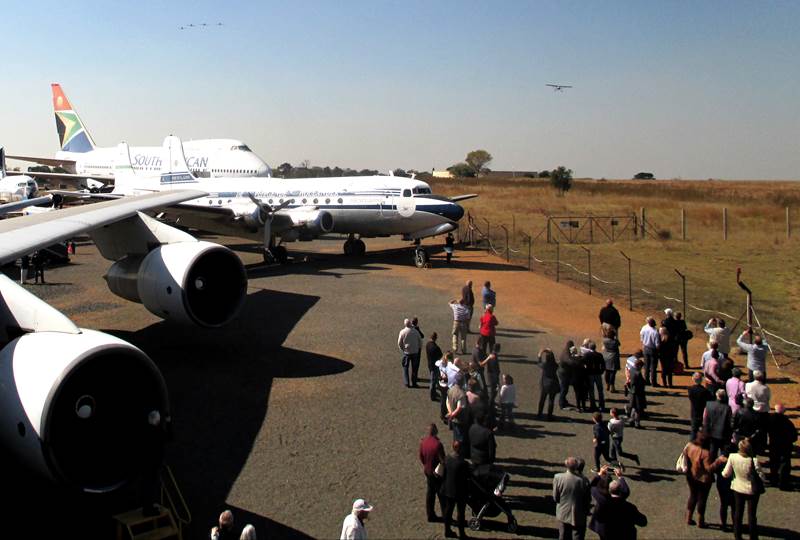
column 508, row 247
column 642, row 224
column 558, row 261
column 683, row 281
column 549, row 234
column 683, row 224
column 635, row 226
column 725, row 223
column 514, row 227
column 530, row 241
column 591, row 230
column 589, row 255
column 488, row 236
column 788, row 224
column 630, row 282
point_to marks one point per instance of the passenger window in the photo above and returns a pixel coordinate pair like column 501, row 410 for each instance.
column 327, row 201
column 340, row 200
column 315, row 201
column 406, row 193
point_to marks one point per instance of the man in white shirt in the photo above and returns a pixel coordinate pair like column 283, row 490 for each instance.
column 650, row 341
column 717, row 331
column 759, row 392
column 461, row 317
column 353, row 526
column 410, row 344
column 712, row 346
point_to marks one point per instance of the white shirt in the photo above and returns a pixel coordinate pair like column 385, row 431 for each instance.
column 508, row 394
column 616, row 427
column 705, row 358
column 353, row 529
column 722, row 336
column 409, row 340
column 760, row 394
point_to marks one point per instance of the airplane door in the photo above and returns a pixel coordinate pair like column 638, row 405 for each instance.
column 405, row 204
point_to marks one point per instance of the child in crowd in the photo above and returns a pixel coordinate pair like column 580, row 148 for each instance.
column 616, row 427
column 600, row 440
column 508, row 397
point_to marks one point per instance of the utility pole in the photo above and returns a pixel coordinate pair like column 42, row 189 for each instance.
column 558, row 262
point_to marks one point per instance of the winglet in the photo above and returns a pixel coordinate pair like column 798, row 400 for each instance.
column 174, row 169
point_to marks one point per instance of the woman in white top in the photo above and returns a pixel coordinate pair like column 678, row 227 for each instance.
column 746, row 475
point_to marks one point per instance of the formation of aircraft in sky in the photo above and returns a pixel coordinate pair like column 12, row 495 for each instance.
column 199, row 25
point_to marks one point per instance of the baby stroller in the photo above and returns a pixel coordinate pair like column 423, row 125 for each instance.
column 487, row 484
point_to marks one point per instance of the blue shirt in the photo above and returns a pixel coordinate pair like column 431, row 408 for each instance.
column 489, row 297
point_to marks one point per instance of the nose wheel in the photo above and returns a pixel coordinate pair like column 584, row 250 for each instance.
column 421, row 257
column 276, row 254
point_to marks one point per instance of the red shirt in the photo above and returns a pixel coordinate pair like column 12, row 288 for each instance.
column 488, row 322
column 430, row 453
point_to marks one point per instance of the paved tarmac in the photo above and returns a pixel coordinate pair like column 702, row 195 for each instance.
column 298, row 407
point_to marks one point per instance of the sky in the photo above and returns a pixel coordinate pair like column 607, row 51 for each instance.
column 678, row 88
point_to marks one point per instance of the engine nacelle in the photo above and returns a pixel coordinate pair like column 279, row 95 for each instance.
column 75, row 407
column 191, row 282
column 312, row 223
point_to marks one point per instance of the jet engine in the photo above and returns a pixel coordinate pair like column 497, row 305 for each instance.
column 75, row 407
column 312, row 223
column 191, row 282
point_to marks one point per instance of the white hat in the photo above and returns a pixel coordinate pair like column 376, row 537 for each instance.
column 361, row 505
column 668, row 311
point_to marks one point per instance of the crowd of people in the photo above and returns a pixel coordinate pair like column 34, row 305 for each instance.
column 730, row 418
column 225, row 529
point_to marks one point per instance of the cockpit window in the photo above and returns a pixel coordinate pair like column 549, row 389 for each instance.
column 242, row 147
column 422, row 191
column 406, row 193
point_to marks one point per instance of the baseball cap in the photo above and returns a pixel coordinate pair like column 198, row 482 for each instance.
column 361, row 505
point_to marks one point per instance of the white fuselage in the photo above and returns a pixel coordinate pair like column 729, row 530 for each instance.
column 228, row 158
column 17, row 188
column 366, row 205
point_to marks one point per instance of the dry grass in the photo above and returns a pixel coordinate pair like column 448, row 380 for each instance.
column 756, row 241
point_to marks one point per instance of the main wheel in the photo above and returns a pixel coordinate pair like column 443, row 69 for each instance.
column 420, row 257
column 348, row 247
column 359, row 248
column 281, row 254
column 475, row 524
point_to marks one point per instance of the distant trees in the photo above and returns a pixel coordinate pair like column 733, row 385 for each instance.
column 305, row 170
column 561, row 179
column 643, row 176
column 461, row 169
column 544, row 174
column 473, row 165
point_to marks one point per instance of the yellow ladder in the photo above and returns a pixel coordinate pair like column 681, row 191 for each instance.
column 135, row 526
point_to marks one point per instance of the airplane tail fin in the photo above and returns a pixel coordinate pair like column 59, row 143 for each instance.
column 72, row 134
column 174, row 169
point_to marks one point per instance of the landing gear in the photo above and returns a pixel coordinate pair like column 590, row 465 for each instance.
column 354, row 246
column 421, row 257
column 276, row 254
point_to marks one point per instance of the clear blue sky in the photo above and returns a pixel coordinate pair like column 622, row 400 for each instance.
column 682, row 89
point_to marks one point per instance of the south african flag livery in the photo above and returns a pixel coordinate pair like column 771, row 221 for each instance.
column 71, row 132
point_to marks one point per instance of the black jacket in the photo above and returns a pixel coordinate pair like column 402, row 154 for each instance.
column 673, row 327
column 595, row 363
column 782, row 433
column 467, row 296
column 718, row 420
column 746, row 423
column 434, row 353
column 456, row 477
column 482, row 445
column 610, row 315
column 698, row 397
column 619, row 518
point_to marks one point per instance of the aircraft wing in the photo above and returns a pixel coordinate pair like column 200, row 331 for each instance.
column 75, row 178
column 67, row 164
column 463, row 197
column 19, row 205
column 24, row 235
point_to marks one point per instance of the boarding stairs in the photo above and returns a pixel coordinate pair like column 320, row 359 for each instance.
column 169, row 523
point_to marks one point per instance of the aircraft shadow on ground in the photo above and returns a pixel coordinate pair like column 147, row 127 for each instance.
column 315, row 261
column 219, row 383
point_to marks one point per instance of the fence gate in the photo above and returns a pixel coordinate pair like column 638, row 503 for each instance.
column 591, row 229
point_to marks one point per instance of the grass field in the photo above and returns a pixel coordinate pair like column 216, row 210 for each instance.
column 756, row 243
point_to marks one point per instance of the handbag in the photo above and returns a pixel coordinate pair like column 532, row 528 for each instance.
column 439, row 470
column 682, row 464
column 758, row 483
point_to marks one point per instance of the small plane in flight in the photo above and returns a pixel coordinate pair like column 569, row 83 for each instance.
column 277, row 211
column 558, row 87
column 74, row 402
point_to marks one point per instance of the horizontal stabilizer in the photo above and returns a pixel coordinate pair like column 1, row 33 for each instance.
column 67, row 164
column 463, row 197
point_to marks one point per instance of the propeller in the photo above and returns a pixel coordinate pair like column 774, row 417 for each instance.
column 266, row 213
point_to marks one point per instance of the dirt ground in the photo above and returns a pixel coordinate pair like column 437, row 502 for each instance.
column 297, row 407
